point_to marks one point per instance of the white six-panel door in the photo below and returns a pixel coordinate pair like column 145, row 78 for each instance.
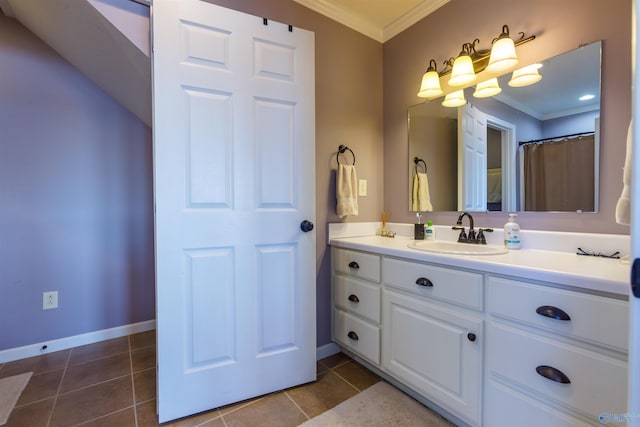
column 234, row 178
column 472, row 159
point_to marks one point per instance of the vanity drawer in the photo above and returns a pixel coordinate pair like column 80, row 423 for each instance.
column 598, row 383
column 357, row 296
column 507, row 408
column 445, row 284
column 595, row 319
column 357, row 335
column 357, row 264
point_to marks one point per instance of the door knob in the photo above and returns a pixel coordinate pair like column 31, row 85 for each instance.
column 306, row 226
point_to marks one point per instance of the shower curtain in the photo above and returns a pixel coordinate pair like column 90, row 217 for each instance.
column 559, row 175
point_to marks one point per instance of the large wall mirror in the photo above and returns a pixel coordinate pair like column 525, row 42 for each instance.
column 536, row 147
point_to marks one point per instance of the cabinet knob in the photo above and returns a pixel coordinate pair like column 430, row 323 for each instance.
column 353, row 264
column 553, row 374
column 552, row 312
column 423, row 281
column 353, row 298
column 471, row 336
column 353, row 336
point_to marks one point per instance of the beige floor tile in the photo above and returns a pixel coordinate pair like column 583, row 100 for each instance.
column 335, row 360
column 41, row 386
column 357, row 375
column 325, row 393
column 273, row 410
column 92, row 402
column 32, row 415
column 124, row 418
column 146, row 414
column 143, row 358
column 87, row 353
column 37, row 365
column 144, row 383
column 94, row 372
column 143, row 339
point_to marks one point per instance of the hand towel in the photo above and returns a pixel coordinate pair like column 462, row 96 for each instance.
column 346, row 191
column 421, row 200
column 623, row 207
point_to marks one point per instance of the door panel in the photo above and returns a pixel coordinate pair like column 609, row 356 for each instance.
column 233, row 144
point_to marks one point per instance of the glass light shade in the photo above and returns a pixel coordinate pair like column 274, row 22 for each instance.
column 454, row 99
column 487, row 88
column 430, row 87
column 503, row 55
column 462, row 72
column 525, row 76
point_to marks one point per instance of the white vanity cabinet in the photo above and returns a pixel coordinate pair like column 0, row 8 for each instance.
column 356, row 302
column 554, row 356
column 484, row 348
column 429, row 342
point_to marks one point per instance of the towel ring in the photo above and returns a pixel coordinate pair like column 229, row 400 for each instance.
column 416, row 160
column 341, row 150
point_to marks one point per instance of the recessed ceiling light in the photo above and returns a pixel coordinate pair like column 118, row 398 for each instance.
column 586, row 97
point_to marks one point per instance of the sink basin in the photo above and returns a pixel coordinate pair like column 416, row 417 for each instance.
column 445, row 247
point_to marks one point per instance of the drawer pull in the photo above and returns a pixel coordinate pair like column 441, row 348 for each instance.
column 553, row 374
column 353, row 264
column 552, row 312
column 353, row 336
column 423, row 281
column 353, row 298
column 471, row 336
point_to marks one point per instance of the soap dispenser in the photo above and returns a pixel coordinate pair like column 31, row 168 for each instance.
column 512, row 233
column 429, row 232
column 418, row 229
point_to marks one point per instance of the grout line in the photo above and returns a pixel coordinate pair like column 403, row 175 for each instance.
column 91, row 385
column 345, row 380
column 55, row 398
column 297, row 406
column 133, row 384
column 101, row 416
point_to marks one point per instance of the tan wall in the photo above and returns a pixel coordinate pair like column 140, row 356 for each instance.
column 559, row 26
column 348, row 111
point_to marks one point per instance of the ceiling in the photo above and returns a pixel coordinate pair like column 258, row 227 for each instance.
column 378, row 19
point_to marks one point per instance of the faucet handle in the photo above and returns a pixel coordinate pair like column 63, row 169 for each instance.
column 481, row 239
column 463, row 235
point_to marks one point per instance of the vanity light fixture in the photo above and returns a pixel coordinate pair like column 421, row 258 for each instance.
column 503, row 53
column 430, row 87
column 526, row 76
column 487, row 88
column 463, row 72
column 454, row 99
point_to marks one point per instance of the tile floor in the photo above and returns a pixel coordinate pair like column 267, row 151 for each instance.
column 112, row 383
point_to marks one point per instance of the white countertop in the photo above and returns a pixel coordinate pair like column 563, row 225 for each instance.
column 565, row 268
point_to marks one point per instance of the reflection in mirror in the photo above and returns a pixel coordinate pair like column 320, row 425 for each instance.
column 529, row 148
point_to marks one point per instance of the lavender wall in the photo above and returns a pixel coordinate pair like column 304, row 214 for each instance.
column 559, row 26
column 75, row 199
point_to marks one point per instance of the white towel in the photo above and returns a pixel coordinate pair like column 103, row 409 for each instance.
column 421, row 200
column 623, row 207
column 346, row 190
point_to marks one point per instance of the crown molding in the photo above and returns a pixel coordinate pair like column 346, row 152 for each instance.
column 409, row 18
column 357, row 23
column 345, row 17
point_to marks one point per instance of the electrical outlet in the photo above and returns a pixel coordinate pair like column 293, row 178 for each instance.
column 49, row 300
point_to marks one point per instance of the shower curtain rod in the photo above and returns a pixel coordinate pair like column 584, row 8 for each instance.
column 533, row 141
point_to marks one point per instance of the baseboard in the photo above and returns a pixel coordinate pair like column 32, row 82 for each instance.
column 45, row 347
column 327, row 350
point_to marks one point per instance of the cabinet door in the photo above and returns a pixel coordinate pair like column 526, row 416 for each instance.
column 434, row 350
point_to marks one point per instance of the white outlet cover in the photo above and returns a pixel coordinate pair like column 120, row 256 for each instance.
column 49, row 300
